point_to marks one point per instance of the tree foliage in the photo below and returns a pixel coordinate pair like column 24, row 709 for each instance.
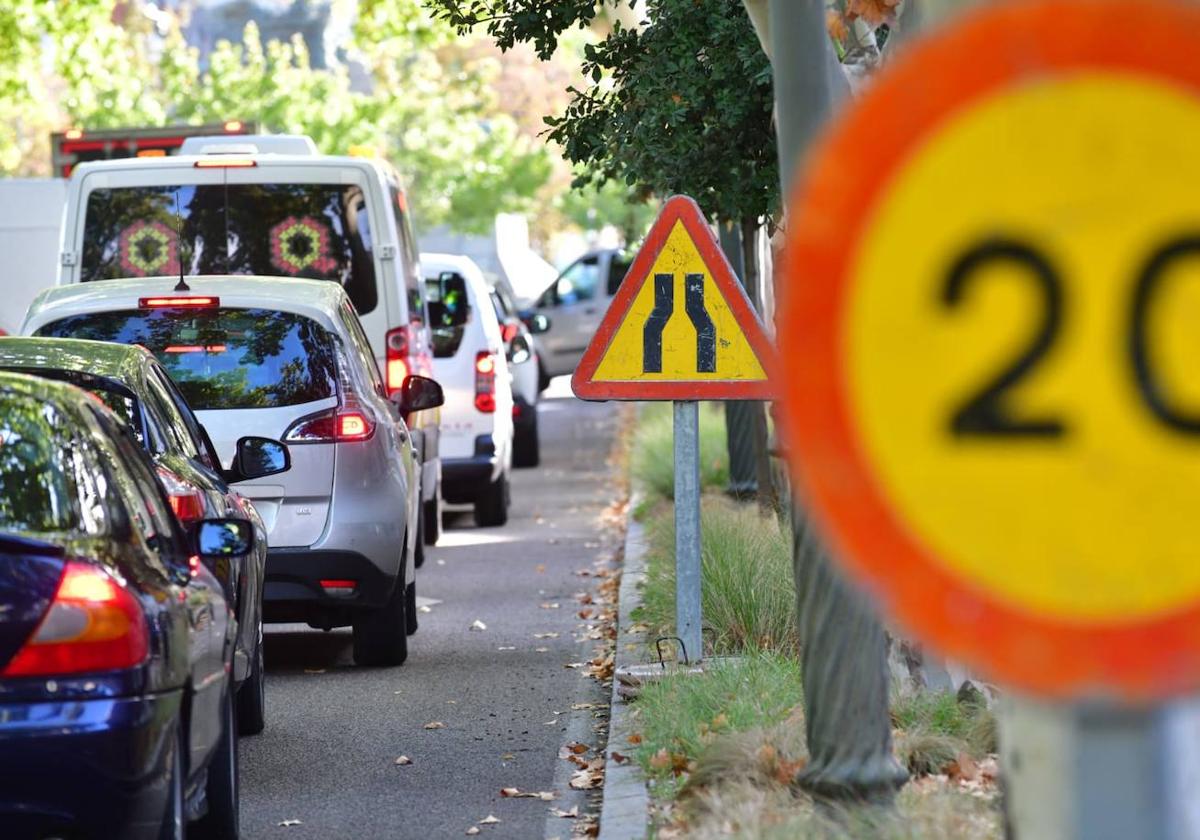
column 101, row 64
column 681, row 105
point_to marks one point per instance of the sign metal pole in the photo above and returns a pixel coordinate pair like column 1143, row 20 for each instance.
column 687, row 528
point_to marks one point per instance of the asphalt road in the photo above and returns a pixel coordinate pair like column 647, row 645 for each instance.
column 334, row 731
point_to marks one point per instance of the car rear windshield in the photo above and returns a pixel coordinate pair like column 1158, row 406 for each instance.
column 223, row 358
column 38, row 493
column 317, row 231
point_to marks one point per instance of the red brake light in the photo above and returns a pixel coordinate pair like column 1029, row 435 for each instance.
column 397, row 358
column 194, row 348
column 508, row 331
column 196, row 302
column 93, row 624
column 353, row 426
column 332, row 426
column 186, row 501
column 485, row 381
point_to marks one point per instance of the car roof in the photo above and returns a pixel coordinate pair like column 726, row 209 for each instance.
column 44, row 390
column 263, row 160
column 315, row 299
column 451, row 262
column 125, row 363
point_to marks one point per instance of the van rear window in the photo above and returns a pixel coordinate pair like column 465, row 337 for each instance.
column 317, row 231
column 223, row 358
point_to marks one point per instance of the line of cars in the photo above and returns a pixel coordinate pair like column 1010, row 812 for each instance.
column 200, row 433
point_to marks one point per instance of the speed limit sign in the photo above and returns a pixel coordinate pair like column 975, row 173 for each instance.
column 992, row 341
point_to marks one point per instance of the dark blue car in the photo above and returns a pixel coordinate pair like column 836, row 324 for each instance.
column 116, row 642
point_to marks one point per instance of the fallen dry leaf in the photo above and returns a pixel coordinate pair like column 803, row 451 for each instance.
column 490, row 819
column 539, row 568
column 545, row 635
column 578, row 748
column 424, row 609
column 473, row 830
column 507, row 647
column 404, row 761
column 289, row 823
column 635, row 738
column 478, row 625
column 570, row 815
column 587, row 779
column 572, row 664
column 547, row 605
column 541, row 650
column 618, row 758
column 515, row 793
column 435, row 724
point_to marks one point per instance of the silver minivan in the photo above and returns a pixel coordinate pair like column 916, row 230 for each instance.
column 252, row 354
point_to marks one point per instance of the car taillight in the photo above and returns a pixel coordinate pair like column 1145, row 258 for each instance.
column 485, row 381
column 397, row 359
column 186, row 501
column 93, row 624
column 337, row 425
column 508, row 331
column 179, row 302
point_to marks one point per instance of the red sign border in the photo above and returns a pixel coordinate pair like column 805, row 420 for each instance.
column 678, row 208
column 928, row 81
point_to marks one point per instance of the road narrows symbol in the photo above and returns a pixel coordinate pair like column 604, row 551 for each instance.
column 664, row 305
column 706, row 330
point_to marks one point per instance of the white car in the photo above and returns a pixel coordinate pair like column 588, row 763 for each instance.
column 283, row 210
column 469, row 361
column 252, row 354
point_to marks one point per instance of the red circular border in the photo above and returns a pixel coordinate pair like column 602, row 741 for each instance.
column 848, row 169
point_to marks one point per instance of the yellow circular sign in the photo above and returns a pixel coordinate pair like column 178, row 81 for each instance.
column 1068, row 495
column 994, row 279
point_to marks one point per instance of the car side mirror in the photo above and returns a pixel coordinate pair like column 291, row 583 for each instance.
column 538, row 323
column 217, row 538
column 419, row 393
column 258, row 457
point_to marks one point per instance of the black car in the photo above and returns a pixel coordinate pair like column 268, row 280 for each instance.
column 130, row 381
column 117, row 711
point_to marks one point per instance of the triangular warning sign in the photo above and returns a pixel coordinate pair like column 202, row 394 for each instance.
column 680, row 327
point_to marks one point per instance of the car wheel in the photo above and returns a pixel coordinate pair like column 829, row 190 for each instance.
column 252, row 696
column 381, row 635
column 419, row 548
column 222, row 822
column 491, row 508
column 543, row 377
column 410, row 608
column 433, row 518
column 526, row 446
column 173, row 817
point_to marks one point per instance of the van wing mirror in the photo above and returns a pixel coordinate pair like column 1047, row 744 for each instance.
column 420, row 393
column 538, row 323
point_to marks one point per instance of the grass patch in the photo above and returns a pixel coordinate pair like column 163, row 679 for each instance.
column 683, row 716
column 936, row 727
column 747, row 594
column 653, row 457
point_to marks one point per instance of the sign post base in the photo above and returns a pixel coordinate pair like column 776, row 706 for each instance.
column 1098, row 771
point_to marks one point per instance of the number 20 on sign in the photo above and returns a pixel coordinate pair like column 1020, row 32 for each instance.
column 993, row 337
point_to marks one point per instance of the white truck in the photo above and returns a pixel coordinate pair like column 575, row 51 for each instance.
column 31, row 214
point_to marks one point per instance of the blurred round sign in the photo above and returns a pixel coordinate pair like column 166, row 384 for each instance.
column 993, row 333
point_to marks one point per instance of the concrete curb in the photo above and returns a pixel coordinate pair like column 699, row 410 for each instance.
column 625, row 810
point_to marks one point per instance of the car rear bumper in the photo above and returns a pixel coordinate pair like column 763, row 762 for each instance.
column 86, row 769
column 293, row 590
column 464, row 479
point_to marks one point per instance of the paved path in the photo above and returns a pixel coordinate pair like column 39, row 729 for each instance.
column 334, row 731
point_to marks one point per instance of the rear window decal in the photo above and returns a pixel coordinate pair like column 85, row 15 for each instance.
column 149, row 248
column 299, row 243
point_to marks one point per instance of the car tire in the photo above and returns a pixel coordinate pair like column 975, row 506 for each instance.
column 410, row 608
column 491, row 508
column 543, row 377
column 381, row 635
column 222, row 821
column 419, row 548
column 252, row 696
column 433, row 518
column 526, row 445
column 173, row 827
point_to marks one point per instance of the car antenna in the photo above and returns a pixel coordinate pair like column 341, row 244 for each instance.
column 182, row 285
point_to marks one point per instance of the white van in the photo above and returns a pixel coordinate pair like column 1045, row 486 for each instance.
column 267, row 205
column 469, row 361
